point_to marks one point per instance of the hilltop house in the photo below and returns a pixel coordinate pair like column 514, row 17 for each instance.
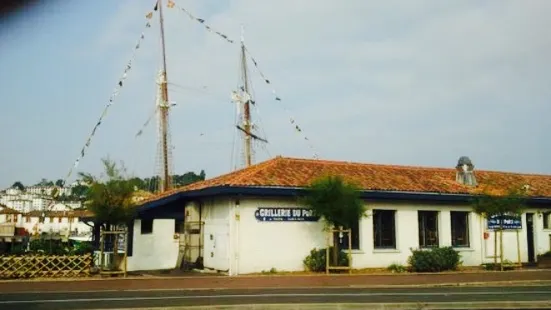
column 249, row 220
column 63, row 222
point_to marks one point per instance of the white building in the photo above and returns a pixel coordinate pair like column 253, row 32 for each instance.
column 66, row 222
column 252, row 220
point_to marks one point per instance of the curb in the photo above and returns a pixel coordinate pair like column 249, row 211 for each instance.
column 153, row 277
column 375, row 306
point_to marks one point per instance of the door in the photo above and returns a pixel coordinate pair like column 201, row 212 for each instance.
column 530, row 236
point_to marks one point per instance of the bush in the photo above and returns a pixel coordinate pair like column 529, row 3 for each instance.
column 316, row 260
column 397, row 268
column 434, row 260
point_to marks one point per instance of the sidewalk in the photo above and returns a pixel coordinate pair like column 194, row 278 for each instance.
column 283, row 281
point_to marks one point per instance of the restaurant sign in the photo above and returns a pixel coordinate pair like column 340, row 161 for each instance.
column 509, row 222
column 285, row 215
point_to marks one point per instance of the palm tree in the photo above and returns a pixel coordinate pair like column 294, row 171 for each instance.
column 110, row 198
column 338, row 202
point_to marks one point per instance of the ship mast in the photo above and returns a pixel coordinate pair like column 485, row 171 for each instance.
column 165, row 182
column 246, row 103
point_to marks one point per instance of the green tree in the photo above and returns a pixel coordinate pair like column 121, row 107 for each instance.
column 45, row 182
column 512, row 203
column 78, row 192
column 338, row 202
column 59, row 183
column 109, row 198
column 18, row 185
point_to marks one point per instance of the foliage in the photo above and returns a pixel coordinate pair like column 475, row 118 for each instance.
column 491, row 205
column 48, row 247
column 44, row 182
column 507, row 265
column 336, row 200
column 546, row 254
column 18, row 185
column 397, row 268
column 434, row 260
column 110, row 200
column 316, row 261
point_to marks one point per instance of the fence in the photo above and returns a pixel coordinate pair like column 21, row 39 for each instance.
column 50, row 266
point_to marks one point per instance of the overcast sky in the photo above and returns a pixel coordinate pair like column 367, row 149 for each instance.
column 395, row 82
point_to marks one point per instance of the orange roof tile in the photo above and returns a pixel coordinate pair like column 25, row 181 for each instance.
column 6, row 210
column 294, row 172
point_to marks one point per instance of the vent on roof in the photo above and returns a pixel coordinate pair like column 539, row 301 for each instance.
column 465, row 171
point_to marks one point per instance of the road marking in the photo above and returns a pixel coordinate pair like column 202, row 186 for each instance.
column 265, row 296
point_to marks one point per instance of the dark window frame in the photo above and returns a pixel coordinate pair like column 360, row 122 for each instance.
column 460, row 229
column 428, row 229
column 384, row 234
column 146, row 226
column 546, row 220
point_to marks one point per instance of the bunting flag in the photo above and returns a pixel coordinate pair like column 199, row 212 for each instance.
column 297, row 128
column 172, row 4
column 114, row 94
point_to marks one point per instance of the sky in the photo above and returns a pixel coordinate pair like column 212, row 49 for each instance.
column 395, row 82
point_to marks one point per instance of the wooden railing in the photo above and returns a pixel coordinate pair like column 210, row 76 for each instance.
column 45, row 266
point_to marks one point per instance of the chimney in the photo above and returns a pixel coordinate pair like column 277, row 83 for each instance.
column 465, row 171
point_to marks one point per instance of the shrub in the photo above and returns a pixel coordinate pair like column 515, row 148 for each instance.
column 434, row 260
column 396, row 268
column 316, row 260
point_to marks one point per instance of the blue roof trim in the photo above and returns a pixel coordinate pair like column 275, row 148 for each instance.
column 294, row 192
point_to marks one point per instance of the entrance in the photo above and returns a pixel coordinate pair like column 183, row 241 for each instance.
column 530, row 236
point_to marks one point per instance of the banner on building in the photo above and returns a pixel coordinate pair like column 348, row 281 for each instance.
column 509, row 222
column 285, row 215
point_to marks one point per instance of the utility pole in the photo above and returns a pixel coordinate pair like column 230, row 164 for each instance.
column 246, row 103
column 165, row 183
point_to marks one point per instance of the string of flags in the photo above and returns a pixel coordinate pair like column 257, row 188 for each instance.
column 114, row 94
column 277, row 98
column 172, row 4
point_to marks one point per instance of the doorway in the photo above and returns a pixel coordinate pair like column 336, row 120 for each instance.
column 530, row 237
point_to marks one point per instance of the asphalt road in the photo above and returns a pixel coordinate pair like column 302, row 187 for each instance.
column 177, row 298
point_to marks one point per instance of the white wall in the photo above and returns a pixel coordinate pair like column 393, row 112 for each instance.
column 217, row 243
column 259, row 246
column 155, row 251
column 265, row 245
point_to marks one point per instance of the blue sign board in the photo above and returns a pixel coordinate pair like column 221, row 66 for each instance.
column 509, row 222
column 285, row 215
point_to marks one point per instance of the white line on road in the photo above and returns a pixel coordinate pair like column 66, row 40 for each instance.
column 264, row 296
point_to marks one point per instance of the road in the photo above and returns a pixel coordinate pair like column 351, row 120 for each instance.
column 116, row 299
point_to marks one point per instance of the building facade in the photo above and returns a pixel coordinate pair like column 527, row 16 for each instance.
column 251, row 220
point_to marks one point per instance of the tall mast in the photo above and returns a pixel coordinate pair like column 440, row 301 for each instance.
column 246, row 108
column 164, row 183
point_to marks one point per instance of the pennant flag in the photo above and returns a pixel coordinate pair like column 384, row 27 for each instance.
column 201, row 21
column 110, row 102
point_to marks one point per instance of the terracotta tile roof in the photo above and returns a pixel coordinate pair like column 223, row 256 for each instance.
column 6, row 210
column 70, row 213
column 294, row 172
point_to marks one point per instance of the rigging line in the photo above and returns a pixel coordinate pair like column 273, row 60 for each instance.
column 140, row 132
column 172, row 4
column 277, row 98
column 114, row 94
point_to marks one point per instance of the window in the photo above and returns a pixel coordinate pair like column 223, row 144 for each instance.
column 178, row 226
column 428, row 229
column 355, row 237
column 546, row 218
column 71, row 219
column 27, row 219
column 384, row 229
column 51, row 219
column 460, row 228
column 146, row 226
column 59, row 219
